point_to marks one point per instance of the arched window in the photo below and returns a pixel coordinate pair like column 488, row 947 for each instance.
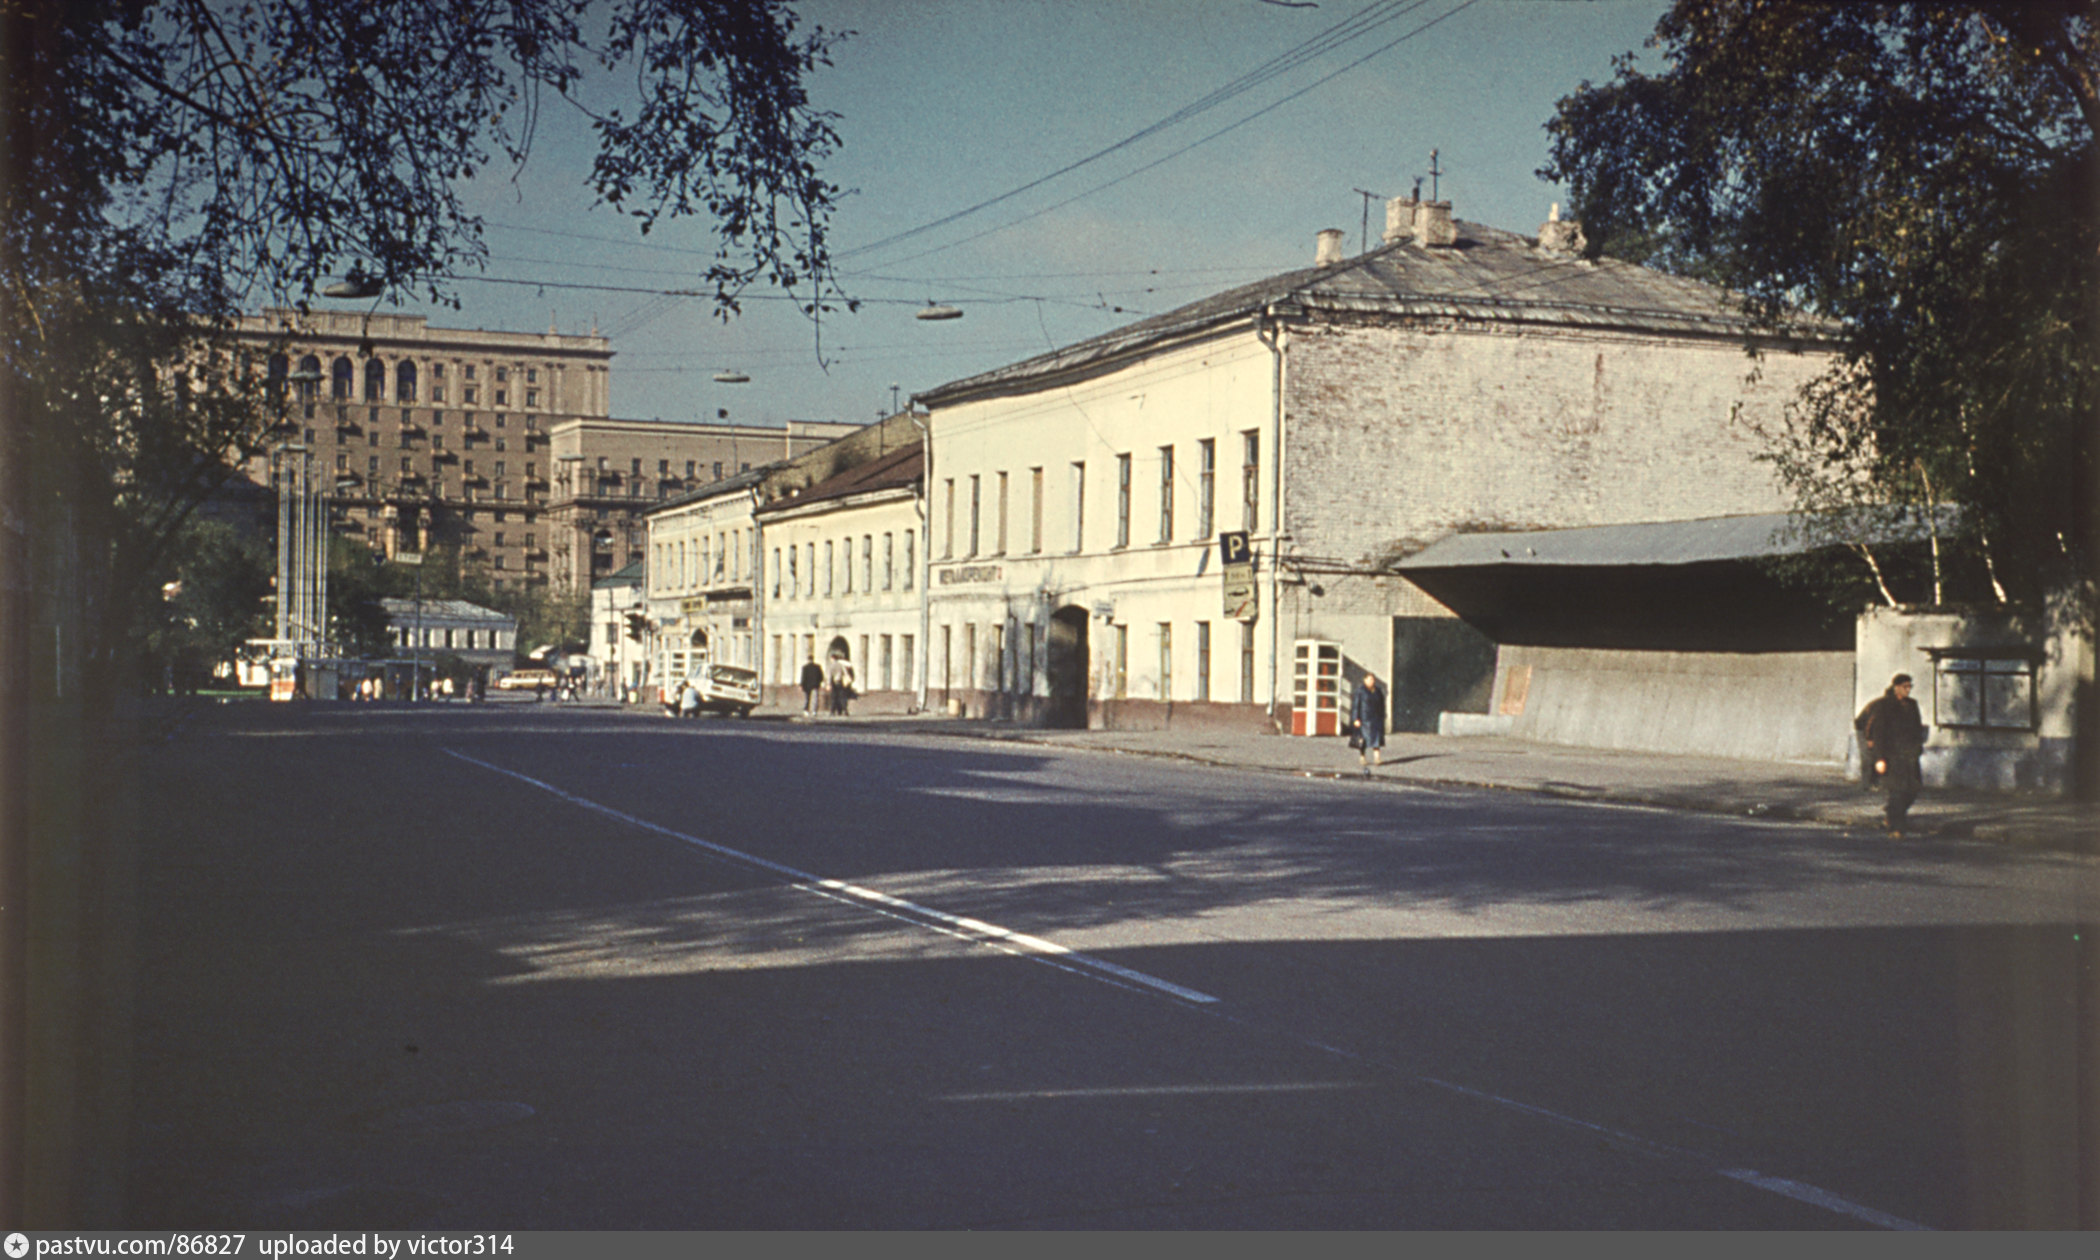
column 343, row 380
column 405, row 382
column 280, row 368
column 310, row 367
column 375, row 380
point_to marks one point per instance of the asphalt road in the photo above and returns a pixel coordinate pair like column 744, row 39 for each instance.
column 524, row 967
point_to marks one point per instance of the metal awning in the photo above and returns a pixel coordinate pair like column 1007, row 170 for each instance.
column 1706, row 541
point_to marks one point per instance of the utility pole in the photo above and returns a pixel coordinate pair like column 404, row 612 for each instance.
column 1363, row 244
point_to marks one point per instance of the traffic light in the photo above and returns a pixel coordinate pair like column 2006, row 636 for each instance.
column 636, row 625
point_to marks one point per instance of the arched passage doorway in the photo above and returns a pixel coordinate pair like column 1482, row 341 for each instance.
column 1066, row 668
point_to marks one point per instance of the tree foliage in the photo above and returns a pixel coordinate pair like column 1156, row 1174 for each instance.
column 166, row 164
column 1925, row 176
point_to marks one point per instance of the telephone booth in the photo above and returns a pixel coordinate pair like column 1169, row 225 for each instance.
column 1316, row 688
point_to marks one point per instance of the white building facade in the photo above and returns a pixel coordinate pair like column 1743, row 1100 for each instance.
column 703, row 571
column 843, row 578
column 1456, row 379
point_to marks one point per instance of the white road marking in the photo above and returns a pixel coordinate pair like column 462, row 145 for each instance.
column 1049, row 953
column 976, row 930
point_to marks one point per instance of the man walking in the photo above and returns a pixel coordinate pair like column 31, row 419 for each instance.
column 812, row 679
column 1892, row 737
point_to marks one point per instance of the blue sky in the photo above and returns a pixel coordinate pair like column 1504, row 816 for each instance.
column 947, row 103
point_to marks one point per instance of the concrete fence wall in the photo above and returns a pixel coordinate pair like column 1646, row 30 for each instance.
column 1767, row 706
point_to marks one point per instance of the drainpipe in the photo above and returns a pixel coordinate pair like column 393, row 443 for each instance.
column 925, row 556
column 1273, row 334
column 758, row 596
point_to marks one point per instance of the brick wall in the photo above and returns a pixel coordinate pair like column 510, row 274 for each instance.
column 1396, row 436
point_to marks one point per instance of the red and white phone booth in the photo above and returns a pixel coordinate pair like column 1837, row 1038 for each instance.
column 1316, row 688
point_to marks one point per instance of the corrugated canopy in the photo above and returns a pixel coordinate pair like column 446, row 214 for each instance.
column 1704, row 541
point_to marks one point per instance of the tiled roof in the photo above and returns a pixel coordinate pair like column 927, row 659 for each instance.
column 1487, row 275
column 899, row 469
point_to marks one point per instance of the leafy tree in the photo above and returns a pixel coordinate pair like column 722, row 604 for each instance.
column 165, row 164
column 168, row 163
column 1925, row 176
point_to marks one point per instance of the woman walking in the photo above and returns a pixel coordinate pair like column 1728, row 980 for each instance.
column 1367, row 715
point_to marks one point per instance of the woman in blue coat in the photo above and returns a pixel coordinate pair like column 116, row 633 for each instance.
column 1367, row 715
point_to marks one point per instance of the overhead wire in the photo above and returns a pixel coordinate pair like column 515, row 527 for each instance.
column 1354, row 27
column 1228, row 128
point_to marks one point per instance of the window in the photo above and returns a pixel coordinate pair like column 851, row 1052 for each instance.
column 1203, row 660
column 908, row 679
column 948, row 519
column 342, row 380
column 532, row 398
column 794, row 579
column 947, row 657
column 847, row 557
column 830, row 567
column 405, row 381
column 375, row 380
column 999, row 670
column 1122, row 500
column 1078, row 505
column 976, row 503
column 776, row 581
column 887, row 662
column 1002, row 515
column 1166, row 660
column 1246, row 662
column 718, row 470
column 889, row 561
column 1984, row 690
column 1035, row 510
column 468, row 394
column 1166, row 494
column 499, row 538
column 910, row 539
column 636, row 466
column 372, row 466
column 437, row 441
column 1206, row 485
column 969, row 681
column 663, row 468
column 811, row 557
column 689, row 467
column 867, row 562
column 1250, row 479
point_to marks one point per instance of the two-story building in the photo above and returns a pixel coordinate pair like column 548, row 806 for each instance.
column 1341, row 418
column 843, row 578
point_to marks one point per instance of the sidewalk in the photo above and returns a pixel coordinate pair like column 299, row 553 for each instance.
column 1801, row 791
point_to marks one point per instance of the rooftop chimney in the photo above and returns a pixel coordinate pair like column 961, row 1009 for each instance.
column 1561, row 236
column 1400, row 218
column 1329, row 251
column 1433, row 226
column 1410, row 218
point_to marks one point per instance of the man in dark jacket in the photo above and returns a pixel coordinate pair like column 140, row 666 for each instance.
column 812, row 678
column 1892, row 736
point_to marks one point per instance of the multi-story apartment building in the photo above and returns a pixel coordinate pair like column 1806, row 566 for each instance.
column 430, row 436
column 608, row 473
column 501, row 444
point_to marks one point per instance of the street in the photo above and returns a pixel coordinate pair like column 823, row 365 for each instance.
column 535, row 967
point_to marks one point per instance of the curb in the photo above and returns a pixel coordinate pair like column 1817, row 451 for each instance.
column 2039, row 834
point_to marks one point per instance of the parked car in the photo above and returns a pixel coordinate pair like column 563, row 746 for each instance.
column 723, row 688
column 527, row 680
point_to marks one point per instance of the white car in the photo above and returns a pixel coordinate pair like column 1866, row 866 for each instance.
column 723, row 688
